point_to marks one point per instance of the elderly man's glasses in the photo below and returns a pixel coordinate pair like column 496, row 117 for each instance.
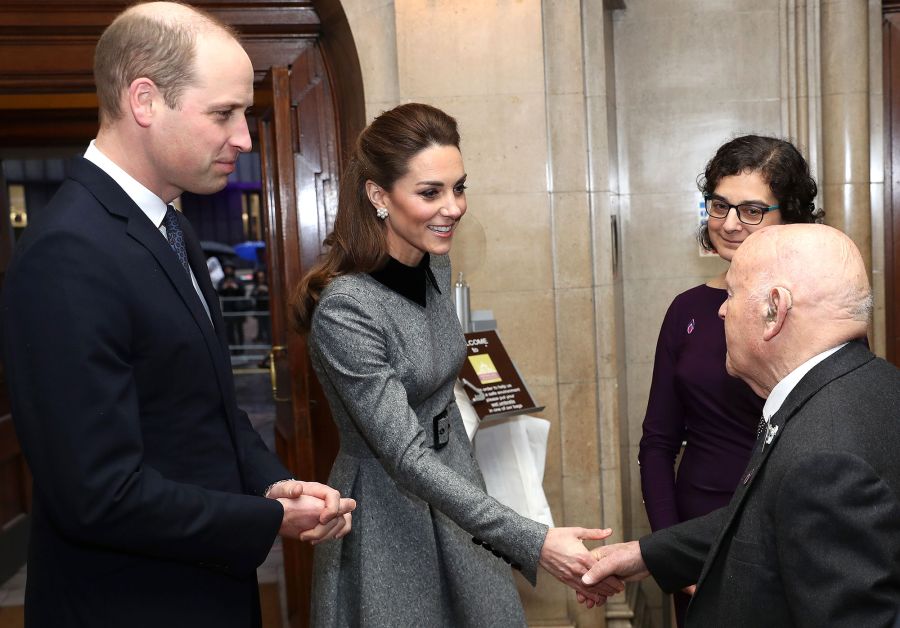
column 747, row 213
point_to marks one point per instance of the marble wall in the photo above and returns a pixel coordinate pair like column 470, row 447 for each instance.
column 573, row 117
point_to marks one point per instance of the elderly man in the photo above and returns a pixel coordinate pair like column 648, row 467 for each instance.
column 154, row 499
column 812, row 535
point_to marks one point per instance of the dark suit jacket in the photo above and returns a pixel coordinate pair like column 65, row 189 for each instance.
column 813, row 536
column 147, row 477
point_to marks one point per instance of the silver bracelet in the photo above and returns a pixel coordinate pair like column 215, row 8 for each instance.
column 274, row 484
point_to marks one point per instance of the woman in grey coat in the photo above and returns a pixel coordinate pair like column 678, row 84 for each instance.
column 429, row 547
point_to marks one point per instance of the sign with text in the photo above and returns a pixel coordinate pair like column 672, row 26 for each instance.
column 490, row 379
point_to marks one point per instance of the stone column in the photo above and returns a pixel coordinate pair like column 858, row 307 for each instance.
column 580, row 101
column 572, row 277
column 845, row 120
column 373, row 23
column 801, row 95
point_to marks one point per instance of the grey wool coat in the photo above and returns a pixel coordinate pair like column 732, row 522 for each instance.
column 388, row 366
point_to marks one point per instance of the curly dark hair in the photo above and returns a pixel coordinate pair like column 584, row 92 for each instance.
column 781, row 166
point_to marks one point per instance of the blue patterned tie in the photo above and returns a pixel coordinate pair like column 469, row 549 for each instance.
column 176, row 237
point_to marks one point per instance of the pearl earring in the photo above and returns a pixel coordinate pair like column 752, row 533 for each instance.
column 381, row 212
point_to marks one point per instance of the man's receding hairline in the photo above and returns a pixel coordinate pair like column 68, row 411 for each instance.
column 177, row 15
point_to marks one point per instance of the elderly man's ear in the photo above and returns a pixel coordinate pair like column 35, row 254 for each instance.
column 778, row 302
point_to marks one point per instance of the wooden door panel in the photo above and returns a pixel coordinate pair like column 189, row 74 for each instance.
column 891, row 71
column 273, row 101
column 296, row 131
column 315, row 168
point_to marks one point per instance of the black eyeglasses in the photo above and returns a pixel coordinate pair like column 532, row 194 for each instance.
column 747, row 213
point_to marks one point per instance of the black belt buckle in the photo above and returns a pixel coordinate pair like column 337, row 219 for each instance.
column 441, row 429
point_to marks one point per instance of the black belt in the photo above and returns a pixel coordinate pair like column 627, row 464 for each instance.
column 440, row 430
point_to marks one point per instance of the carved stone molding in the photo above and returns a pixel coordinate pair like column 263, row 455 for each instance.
column 801, row 94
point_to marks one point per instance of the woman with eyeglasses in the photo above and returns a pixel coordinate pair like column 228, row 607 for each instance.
column 751, row 182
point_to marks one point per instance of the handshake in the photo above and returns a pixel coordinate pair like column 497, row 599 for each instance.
column 312, row 512
column 595, row 575
column 315, row 512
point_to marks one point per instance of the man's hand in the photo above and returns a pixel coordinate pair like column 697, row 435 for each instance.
column 622, row 561
column 567, row 559
column 312, row 512
column 291, row 489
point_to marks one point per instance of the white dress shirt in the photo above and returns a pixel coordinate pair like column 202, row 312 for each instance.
column 153, row 206
column 783, row 388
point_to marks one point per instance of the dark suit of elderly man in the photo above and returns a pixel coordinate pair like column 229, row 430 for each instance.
column 150, row 485
column 812, row 535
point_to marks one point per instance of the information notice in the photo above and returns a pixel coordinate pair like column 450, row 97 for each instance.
column 490, row 379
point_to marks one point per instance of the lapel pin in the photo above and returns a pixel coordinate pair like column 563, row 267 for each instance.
column 771, row 432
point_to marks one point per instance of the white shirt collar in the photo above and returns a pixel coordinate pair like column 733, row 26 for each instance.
column 153, row 206
column 783, row 388
column 149, row 202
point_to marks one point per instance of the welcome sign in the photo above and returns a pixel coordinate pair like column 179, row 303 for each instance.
column 490, row 379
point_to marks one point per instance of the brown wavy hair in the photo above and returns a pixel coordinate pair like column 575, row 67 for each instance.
column 382, row 153
column 781, row 166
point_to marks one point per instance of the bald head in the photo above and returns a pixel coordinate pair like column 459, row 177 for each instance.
column 155, row 40
column 820, row 266
column 794, row 291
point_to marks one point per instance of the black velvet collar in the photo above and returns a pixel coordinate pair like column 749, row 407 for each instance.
column 407, row 281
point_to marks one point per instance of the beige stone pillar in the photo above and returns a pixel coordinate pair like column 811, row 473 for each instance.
column 373, row 24
column 573, row 280
column 579, row 83
column 845, row 120
column 801, row 94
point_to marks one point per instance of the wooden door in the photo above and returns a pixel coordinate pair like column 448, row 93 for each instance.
column 15, row 482
column 891, row 39
column 297, row 143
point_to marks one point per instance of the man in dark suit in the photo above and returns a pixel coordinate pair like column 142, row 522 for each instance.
column 812, row 535
column 154, row 499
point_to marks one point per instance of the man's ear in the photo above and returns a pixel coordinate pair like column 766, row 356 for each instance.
column 377, row 195
column 778, row 302
column 143, row 99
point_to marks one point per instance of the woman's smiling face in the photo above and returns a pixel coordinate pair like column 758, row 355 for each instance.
column 726, row 234
column 424, row 205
